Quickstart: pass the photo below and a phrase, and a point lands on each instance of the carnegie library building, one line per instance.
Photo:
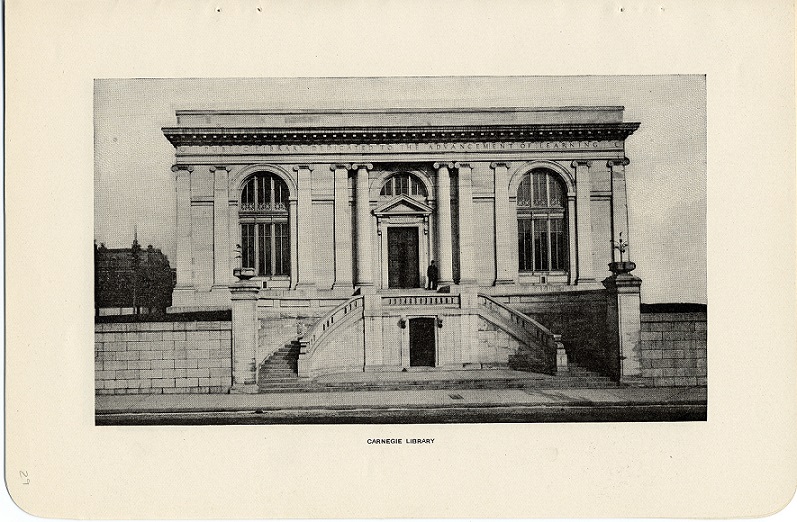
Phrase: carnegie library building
(384, 242)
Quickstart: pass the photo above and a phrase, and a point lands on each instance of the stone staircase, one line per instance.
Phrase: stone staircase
(278, 374)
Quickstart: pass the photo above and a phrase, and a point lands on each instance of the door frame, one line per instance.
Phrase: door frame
(405, 352)
(419, 238)
(423, 251)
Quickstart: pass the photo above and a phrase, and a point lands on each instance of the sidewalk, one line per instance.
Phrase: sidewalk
(406, 399)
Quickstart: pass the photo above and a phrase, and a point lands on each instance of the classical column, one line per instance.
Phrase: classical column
(305, 277)
(365, 278)
(619, 203)
(343, 265)
(503, 239)
(446, 276)
(571, 237)
(583, 222)
(183, 254)
(467, 275)
(222, 271)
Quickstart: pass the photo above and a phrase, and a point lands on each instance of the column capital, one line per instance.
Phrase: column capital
(618, 162)
(340, 166)
(189, 168)
(214, 168)
(297, 168)
(459, 165)
(499, 164)
(440, 165)
(582, 163)
(366, 166)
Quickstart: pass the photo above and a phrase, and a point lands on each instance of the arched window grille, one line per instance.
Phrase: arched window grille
(265, 236)
(403, 184)
(542, 223)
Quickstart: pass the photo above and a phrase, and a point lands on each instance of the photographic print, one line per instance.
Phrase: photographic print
(400, 250)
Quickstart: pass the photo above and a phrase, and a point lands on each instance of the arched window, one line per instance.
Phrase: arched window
(265, 237)
(542, 240)
(403, 184)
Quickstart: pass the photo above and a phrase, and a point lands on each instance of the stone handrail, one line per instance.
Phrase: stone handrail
(313, 337)
(541, 335)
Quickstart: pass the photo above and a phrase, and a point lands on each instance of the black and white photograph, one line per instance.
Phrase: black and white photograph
(399, 260)
(400, 250)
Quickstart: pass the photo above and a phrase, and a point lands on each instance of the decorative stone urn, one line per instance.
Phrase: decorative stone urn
(244, 274)
(622, 267)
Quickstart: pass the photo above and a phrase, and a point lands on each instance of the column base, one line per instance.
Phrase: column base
(503, 282)
(586, 281)
(343, 285)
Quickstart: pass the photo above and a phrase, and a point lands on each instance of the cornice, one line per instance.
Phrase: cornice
(179, 136)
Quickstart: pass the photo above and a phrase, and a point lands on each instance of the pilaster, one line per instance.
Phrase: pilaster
(467, 274)
(183, 254)
(583, 222)
(619, 202)
(444, 251)
(305, 277)
(571, 238)
(365, 278)
(343, 246)
(221, 240)
(503, 239)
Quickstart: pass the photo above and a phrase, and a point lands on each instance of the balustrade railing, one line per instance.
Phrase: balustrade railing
(309, 340)
(549, 341)
(451, 300)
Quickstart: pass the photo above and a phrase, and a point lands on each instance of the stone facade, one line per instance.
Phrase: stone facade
(336, 210)
(162, 357)
(674, 348)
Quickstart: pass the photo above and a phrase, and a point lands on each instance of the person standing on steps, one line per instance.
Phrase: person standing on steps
(431, 276)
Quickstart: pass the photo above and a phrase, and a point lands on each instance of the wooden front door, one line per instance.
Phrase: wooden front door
(422, 344)
(402, 257)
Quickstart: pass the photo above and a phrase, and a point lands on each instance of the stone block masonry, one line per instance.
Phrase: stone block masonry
(163, 357)
(674, 348)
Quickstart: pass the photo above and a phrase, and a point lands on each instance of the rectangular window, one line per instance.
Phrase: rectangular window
(248, 245)
(540, 244)
(283, 249)
(558, 244)
(525, 244)
(264, 249)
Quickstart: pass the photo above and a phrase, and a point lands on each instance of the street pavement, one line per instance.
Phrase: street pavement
(409, 406)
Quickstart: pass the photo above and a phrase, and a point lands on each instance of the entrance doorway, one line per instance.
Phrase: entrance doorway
(422, 344)
(402, 257)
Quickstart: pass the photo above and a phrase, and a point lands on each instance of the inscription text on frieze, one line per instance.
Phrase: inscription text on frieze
(387, 148)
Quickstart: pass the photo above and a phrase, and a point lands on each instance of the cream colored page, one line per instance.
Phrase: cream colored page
(741, 462)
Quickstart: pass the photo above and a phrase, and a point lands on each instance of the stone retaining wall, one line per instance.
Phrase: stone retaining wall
(163, 357)
(674, 348)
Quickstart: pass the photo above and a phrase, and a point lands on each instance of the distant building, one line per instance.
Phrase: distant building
(131, 280)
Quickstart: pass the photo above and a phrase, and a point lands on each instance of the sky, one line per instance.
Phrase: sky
(666, 179)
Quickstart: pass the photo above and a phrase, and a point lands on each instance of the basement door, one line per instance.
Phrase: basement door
(422, 344)
(402, 257)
